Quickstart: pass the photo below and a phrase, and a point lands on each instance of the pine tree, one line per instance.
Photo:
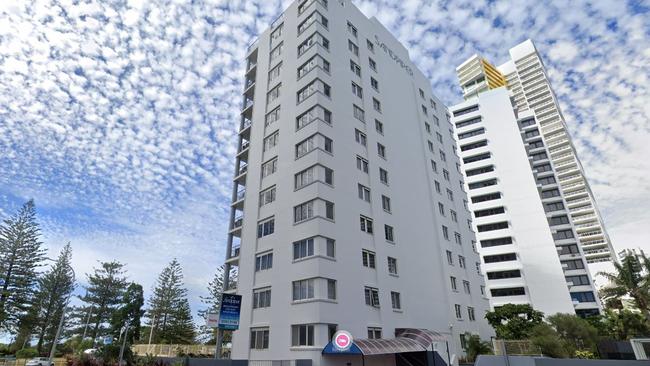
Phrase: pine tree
(212, 302)
(20, 255)
(54, 289)
(169, 312)
(104, 293)
(129, 313)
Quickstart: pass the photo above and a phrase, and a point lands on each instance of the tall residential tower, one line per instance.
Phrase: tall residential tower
(348, 209)
(525, 76)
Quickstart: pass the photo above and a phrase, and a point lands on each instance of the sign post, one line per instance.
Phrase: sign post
(228, 317)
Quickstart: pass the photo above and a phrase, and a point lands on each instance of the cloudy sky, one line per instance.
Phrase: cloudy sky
(118, 117)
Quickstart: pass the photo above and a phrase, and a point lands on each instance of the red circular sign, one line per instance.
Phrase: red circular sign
(342, 340)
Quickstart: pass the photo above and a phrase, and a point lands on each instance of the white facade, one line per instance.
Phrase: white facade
(373, 118)
(526, 78)
(526, 239)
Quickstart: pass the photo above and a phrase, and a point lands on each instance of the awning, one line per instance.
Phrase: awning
(406, 340)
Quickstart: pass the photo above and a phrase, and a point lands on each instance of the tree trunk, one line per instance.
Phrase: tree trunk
(5, 286)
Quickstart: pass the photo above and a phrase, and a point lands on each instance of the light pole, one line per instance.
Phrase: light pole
(126, 332)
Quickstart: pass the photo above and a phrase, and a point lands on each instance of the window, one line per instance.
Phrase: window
(421, 93)
(364, 192)
(461, 261)
(450, 194)
(427, 127)
(314, 113)
(563, 234)
(551, 193)
(312, 63)
(496, 242)
(329, 247)
(454, 215)
(355, 68)
(374, 83)
(356, 90)
(436, 121)
(433, 104)
(392, 265)
(559, 220)
(267, 196)
(457, 238)
(469, 109)
(303, 289)
(381, 150)
(331, 289)
(358, 113)
(263, 262)
(315, 38)
(372, 63)
(273, 94)
(276, 52)
(388, 233)
(539, 156)
(360, 137)
(277, 33)
(454, 286)
(437, 185)
(482, 184)
(425, 111)
(536, 144)
(468, 122)
(368, 258)
(396, 300)
(468, 134)
(568, 249)
(272, 116)
(259, 338)
(266, 227)
(486, 197)
(587, 296)
(532, 133)
(441, 208)
(466, 287)
(374, 333)
(478, 157)
(376, 105)
(443, 156)
(500, 275)
(473, 145)
(471, 314)
(305, 177)
(430, 145)
(450, 258)
(385, 203)
(313, 142)
(445, 174)
(573, 264)
(439, 137)
(269, 167)
(492, 226)
(353, 48)
(434, 166)
(445, 232)
(352, 29)
(505, 257)
(511, 291)
(303, 248)
(546, 180)
(527, 122)
(303, 212)
(553, 206)
(459, 313)
(302, 335)
(543, 168)
(481, 170)
(372, 296)
(489, 211)
(365, 224)
(370, 46)
(383, 176)
(316, 86)
(271, 140)
(261, 298)
(275, 73)
(578, 280)
(313, 17)
(362, 164)
(379, 127)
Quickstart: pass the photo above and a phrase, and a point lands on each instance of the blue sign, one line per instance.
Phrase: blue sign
(108, 340)
(229, 312)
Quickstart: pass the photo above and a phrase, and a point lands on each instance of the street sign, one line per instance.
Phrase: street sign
(108, 340)
(229, 312)
(342, 340)
(212, 320)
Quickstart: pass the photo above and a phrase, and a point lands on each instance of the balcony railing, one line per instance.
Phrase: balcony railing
(240, 195)
(244, 146)
(243, 170)
(234, 252)
(238, 222)
(247, 104)
(246, 123)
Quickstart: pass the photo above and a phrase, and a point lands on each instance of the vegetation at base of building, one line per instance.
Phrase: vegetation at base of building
(475, 346)
(630, 278)
(514, 321)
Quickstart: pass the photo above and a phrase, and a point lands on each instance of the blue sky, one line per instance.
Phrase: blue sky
(119, 117)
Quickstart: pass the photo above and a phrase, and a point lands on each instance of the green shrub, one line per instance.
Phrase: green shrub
(585, 355)
(27, 353)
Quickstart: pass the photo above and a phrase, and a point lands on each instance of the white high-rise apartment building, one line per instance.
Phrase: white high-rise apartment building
(526, 238)
(348, 209)
(526, 77)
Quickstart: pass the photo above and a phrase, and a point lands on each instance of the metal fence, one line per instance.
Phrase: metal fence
(23, 361)
(515, 348)
(173, 350)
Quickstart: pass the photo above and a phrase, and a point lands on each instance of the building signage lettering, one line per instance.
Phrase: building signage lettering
(393, 55)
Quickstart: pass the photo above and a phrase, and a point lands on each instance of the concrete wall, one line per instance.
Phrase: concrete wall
(484, 360)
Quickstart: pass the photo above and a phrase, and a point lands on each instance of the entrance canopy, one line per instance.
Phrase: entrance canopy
(406, 340)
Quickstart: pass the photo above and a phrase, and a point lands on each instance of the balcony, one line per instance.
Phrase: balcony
(238, 203)
(241, 174)
(233, 258)
(230, 287)
(242, 154)
(237, 224)
(247, 106)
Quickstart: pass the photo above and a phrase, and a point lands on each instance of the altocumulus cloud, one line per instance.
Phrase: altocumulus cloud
(119, 117)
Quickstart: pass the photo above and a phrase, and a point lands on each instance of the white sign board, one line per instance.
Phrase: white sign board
(212, 320)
